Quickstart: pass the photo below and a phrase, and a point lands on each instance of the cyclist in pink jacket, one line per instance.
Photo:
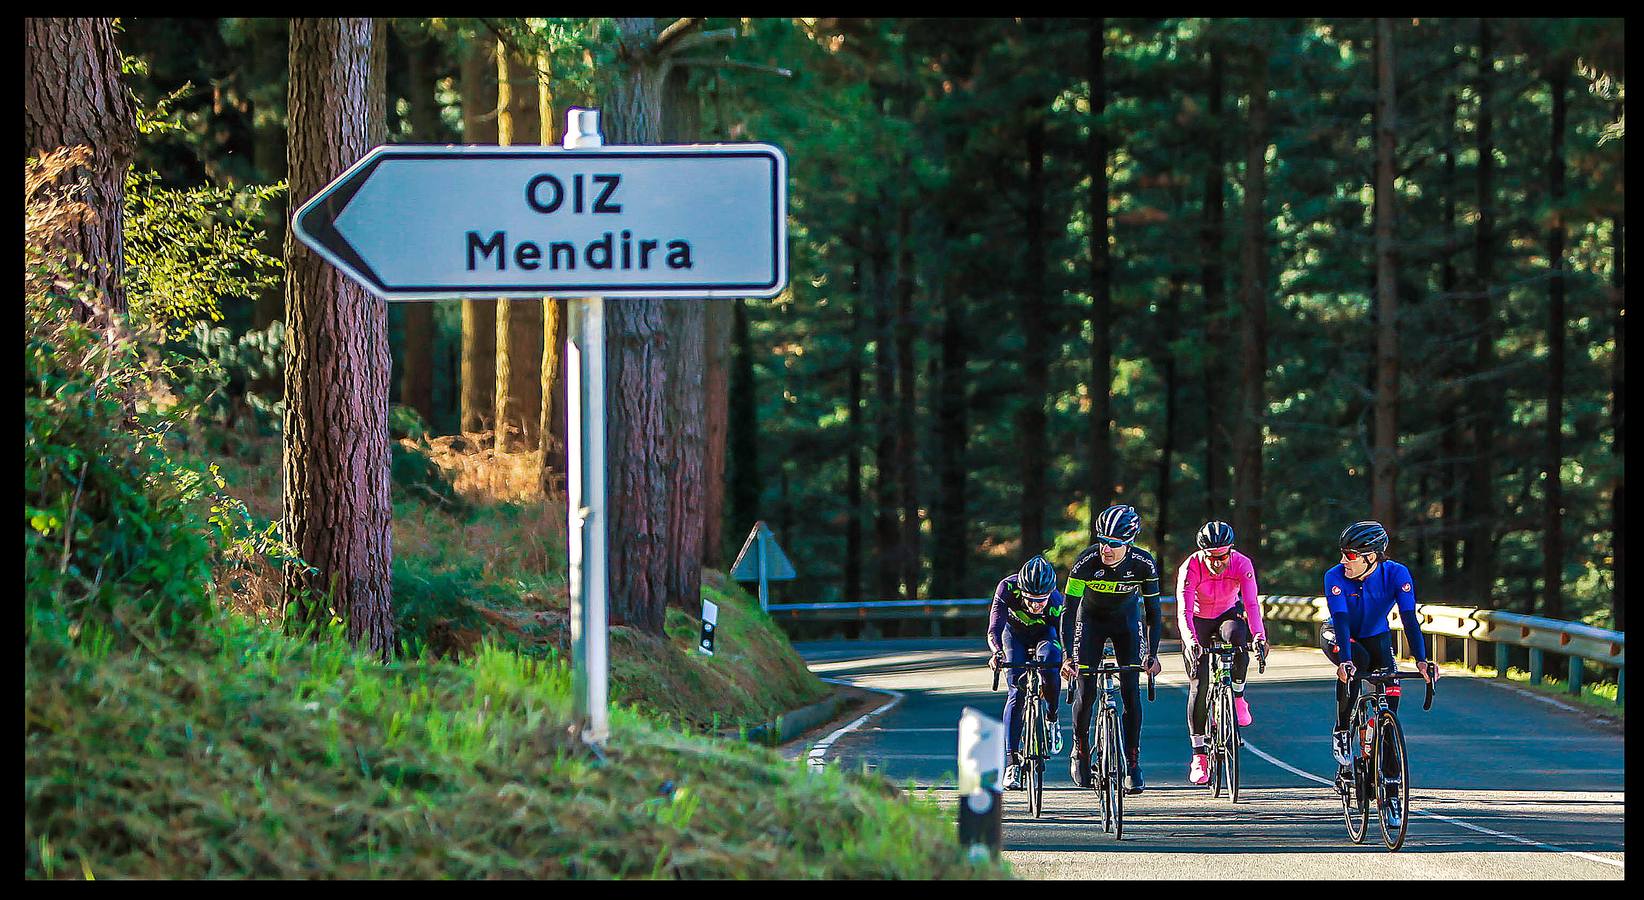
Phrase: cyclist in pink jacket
(1216, 595)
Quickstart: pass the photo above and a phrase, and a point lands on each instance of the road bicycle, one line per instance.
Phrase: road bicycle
(1107, 757)
(1036, 725)
(1380, 770)
(1223, 729)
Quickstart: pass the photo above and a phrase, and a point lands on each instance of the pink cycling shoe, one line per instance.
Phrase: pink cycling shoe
(1199, 773)
(1241, 710)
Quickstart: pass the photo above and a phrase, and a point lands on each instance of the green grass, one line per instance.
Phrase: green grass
(1598, 696)
(242, 752)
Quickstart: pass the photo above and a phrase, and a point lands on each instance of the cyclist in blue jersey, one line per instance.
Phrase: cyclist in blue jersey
(1360, 591)
(1022, 621)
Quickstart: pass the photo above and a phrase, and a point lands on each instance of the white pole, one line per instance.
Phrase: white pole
(585, 488)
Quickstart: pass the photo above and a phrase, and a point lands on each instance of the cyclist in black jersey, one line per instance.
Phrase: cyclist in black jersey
(1110, 585)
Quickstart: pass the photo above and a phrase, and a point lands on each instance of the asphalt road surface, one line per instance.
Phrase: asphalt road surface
(1503, 785)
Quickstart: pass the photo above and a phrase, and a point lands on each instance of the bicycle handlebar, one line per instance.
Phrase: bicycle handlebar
(1043, 666)
(1392, 677)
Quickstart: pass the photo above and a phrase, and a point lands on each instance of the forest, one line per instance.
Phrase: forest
(1288, 273)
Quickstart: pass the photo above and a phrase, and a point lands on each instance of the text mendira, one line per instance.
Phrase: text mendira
(546, 194)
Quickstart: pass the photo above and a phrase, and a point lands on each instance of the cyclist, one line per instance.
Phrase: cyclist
(1360, 591)
(1216, 594)
(1024, 621)
(1109, 585)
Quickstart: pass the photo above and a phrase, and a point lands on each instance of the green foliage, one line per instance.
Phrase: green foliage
(189, 249)
(233, 374)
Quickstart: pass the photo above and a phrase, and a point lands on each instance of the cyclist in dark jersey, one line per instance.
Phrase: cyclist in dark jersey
(1023, 621)
(1110, 584)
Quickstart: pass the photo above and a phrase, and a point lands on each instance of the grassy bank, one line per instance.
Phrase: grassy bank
(241, 752)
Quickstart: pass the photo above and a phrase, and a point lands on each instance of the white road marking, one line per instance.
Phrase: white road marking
(818, 755)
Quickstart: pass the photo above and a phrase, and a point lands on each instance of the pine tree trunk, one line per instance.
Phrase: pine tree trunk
(1030, 431)
(1247, 435)
(1449, 446)
(72, 96)
(906, 473)
(686, 325)
(640, 448)
(336, 423)
(417, 373)
(1213, 291)
(479, 317)
(853, 444)
(887, 531)
(1618, 426)
(746, 484)
(1101, 344)
(1552, 567)
(1384, 455)
(1168, 312)
(1483, 398)
(715, 387)
(948, 556)
(519, 322)
(551, 429)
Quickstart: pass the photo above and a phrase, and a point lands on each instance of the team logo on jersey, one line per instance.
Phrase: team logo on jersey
(1335, 589)
(1406, 587)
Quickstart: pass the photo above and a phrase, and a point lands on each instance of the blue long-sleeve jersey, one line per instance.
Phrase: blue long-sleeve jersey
(1358, 609)
(1008, 605)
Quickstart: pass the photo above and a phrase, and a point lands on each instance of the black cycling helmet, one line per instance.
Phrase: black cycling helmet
(1120, 523)
(1215, 535)
(1364, 537)
(1037, 577)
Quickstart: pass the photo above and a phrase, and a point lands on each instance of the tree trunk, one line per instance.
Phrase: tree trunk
(906, 473)
(551, 430)
(1552, 566)
(73, 95)
(1618, 426)
(336, 422)
(479, 317)
(886, 526)
(1168, 312)
(640, 448)
(746, 484)
(853, 445)
(686, 345)
(1449, 447)
(1247, 436)
(268, 158)
(1212, 281)
(1101, 344)
(948, 557)
(1384, 457)
(1481, 502)
(1030, 431)
(519, 322)
(417, 373)
(715, 388)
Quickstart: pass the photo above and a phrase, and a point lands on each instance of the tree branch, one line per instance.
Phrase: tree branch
(673, 33)
(729, 63)
(691, 42)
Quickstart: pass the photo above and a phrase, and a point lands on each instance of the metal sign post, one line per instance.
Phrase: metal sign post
(585, 486)
(762, 560)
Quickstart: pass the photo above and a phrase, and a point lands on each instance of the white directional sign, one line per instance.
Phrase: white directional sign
(423, 222)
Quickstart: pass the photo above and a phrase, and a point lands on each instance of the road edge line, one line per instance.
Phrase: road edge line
(817, 756)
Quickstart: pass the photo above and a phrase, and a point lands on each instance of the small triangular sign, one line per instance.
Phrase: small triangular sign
(777, 566)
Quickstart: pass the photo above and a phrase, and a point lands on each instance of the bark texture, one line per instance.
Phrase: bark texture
(417, 369)
(336, 423)
(1035, 364)
(519, 322)
(551, 430)
(1483, 399)
(1552, 568)
(72, 96)
(1212, 282)
(1384, 455)
(1248, 431)
(479, 317)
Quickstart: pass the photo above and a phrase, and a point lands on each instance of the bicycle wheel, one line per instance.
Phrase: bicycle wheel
(1390, 762)
(1232, 754)
(1218, 756)
(1115, 777)
(1098, 774)
(1355, 802)
(1032, 747)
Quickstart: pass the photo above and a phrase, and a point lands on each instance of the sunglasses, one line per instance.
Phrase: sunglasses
(1353, 554)
(1226, 552)
(1036, 600)
(1111, 543)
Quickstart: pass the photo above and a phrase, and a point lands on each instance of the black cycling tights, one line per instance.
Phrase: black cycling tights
(1125, 630)
(1234, 630)
(1368, 654)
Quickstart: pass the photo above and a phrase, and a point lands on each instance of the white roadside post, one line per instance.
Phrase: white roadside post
(981, 764)
(585, 488)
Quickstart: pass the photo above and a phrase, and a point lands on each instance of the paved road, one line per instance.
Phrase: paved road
(1543, 790)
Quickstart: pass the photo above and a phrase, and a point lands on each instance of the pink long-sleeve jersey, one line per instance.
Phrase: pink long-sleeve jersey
(1203, 595)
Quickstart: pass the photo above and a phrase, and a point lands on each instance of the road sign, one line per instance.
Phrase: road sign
(423, 222)
(710, 621)
(766, 563)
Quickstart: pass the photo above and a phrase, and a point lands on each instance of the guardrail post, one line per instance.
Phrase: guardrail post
(1535, 665)
(1501, 660)
(1437, 654)
(1469, 653)
(1575, 676)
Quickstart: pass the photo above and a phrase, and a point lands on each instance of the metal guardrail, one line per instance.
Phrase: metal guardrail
(1441, 624)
